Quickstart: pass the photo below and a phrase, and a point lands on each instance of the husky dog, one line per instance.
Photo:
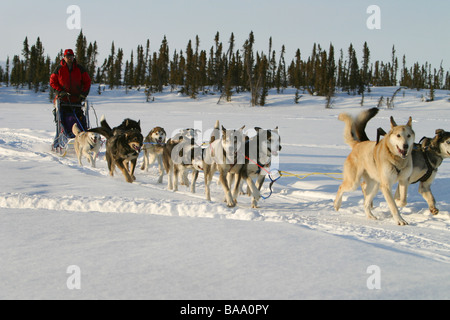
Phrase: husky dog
(225, 154)
(427, 157)
(426, 160)
(178, 156)
(123, 146)
(153, 149)
(380, 165)
(259, 150)
(87, 144)
(195, 153)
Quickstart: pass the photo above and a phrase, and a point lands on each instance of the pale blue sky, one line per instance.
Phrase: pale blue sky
(419, 29)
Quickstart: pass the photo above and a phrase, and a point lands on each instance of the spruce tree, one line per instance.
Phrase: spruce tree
(365, 78)
(354, 81)
(91, 56)
(118, 68)
(394, 69)
(230, 69)
(191, 85)
(27, 76)
(81, 49)
(6, 77)
(17, 73)
(248, 66)
(110, 67)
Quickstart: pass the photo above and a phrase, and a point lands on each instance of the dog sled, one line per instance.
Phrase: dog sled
(67, 114)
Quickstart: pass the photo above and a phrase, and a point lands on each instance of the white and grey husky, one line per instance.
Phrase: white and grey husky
(86, 144)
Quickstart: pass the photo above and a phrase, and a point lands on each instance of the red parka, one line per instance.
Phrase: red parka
(76, 82)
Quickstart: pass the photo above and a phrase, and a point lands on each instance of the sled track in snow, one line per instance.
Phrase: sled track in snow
(426, 236)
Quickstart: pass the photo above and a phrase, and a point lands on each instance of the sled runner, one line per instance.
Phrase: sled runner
(66, 115)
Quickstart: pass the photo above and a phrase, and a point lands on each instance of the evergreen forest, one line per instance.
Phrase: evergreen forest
(226, 69)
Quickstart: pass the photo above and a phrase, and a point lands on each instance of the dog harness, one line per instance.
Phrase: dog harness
(430, 170)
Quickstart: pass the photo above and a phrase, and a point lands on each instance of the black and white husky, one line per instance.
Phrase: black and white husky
(259, 152)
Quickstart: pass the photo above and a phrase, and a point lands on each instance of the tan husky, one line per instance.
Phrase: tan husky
(427, 156)
(380, 165)
(86, 144)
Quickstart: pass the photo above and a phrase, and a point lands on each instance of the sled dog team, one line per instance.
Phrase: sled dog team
(236, 155)
(373, 165)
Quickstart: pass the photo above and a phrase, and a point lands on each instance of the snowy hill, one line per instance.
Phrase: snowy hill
(142, 241)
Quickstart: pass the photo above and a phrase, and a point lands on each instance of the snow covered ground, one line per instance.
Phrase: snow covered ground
(71, 232)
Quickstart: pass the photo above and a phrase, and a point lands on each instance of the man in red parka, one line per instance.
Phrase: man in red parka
(70, 79)
(72, 83)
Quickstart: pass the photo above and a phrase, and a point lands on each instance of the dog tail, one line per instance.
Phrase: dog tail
(361, 121)
(105, 124)
(216, 132)
(348, 130)
(167, 155)
(75, 130)
(355, 128)
(105, 130)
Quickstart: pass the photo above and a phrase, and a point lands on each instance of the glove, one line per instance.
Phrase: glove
(62, 94)
(83, 95)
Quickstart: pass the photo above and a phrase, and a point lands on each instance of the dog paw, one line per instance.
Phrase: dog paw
(434, 211)
(231, 204)
(402, 222)
(370, 216)
(337, 206)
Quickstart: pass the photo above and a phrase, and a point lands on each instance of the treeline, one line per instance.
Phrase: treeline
(227, 69)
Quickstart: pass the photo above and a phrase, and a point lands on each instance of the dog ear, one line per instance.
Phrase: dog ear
(409, 124)
(435, 142)
(380, 133)
(242, 128)
(257, 129)
(425, 143)
(224, 132)
(393, 123)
